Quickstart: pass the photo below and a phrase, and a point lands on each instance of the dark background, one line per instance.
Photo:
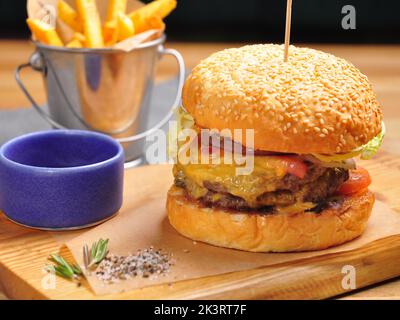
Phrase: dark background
(378, 21)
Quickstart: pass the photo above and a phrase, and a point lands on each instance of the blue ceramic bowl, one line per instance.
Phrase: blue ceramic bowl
(61, 179)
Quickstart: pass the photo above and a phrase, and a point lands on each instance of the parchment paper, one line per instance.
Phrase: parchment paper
(46, 10)
(142, 223)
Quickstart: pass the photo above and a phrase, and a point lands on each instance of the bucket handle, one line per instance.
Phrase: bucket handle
(35, 65)
(40, 110)
(181, 79)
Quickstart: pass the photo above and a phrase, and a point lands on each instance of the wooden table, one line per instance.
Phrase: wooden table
(380, 63)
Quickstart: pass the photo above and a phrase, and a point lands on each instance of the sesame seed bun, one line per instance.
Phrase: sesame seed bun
(302, 231)
(314, 103)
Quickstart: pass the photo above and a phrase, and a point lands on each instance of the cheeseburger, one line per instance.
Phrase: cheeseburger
(311, 116)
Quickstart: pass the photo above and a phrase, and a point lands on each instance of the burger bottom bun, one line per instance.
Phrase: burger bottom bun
(302, 231)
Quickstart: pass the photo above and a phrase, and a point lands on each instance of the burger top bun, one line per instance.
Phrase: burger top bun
(314, 103)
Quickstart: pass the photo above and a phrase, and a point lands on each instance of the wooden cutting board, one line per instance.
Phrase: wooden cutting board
(24, 252)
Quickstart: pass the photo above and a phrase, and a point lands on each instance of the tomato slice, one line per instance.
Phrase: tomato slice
(294, 166)
(359, 179)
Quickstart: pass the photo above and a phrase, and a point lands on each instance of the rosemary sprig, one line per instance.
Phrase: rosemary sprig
(86, 256)
(63, 269)
(91, 258)
(98, 252)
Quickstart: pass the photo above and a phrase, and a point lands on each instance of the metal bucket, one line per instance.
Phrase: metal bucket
(104, 90)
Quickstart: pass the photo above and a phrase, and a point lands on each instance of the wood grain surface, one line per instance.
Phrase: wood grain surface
(23, 252)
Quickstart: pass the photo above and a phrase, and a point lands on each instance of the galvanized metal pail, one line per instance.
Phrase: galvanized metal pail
(104, 90)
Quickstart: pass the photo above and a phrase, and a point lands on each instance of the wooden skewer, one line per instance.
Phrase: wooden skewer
(287, 29)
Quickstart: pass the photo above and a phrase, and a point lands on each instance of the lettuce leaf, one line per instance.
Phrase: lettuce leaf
(371, 148)
(366, 151)
(184, 121)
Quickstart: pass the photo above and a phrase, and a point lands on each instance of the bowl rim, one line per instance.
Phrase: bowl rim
(92, 166)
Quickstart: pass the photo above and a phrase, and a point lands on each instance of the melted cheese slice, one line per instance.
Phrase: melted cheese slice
(267, 172)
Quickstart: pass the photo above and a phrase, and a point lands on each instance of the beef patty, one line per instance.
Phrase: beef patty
(318, 184)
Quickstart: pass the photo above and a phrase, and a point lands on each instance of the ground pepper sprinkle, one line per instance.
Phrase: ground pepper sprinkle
(145, 263)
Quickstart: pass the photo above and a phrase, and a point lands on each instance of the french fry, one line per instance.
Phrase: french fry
(143, 24)
(43, 32)
(74, 43)
(110, 33)
(115, 7)
(90, 18)
(64, 31)
(160, 8)
(125, 27)
(79, 36)
(69, 16)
